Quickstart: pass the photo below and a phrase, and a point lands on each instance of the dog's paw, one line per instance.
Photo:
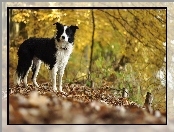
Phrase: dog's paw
(55, 90)
(61, 92)
(35, 84)
(64, 93)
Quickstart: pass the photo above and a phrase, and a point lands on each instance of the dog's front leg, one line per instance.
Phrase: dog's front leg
(53, 77)
(60, 81)
(60, 76)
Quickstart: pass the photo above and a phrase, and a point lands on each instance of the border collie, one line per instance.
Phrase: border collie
(54, 52)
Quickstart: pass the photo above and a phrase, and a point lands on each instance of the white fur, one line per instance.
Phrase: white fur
(64, 34)
(16, 79)
(64, 50)
(37, 63)
(25, 79)
(62, 57)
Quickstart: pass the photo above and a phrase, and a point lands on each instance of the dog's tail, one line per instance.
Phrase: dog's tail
(19, 73)
(24, 63)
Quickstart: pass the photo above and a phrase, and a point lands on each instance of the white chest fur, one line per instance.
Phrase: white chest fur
(62, 55)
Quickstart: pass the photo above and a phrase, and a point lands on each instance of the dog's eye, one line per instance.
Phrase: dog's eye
(68, 31)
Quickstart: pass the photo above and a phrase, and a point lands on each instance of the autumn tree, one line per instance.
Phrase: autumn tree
(122, 48)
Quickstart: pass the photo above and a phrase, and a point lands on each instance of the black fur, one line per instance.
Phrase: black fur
(70, 31)
(42, 48)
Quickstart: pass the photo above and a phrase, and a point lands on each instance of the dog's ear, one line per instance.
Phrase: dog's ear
(73, 28)
(58, 25)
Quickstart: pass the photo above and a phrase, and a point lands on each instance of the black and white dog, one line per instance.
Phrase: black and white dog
(54, 52)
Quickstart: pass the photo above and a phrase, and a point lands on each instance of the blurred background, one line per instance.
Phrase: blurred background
(117, 48)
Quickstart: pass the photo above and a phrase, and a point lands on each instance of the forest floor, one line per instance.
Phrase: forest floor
(78, 105)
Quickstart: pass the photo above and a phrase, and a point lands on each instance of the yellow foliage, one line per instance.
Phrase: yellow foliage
(138, 34)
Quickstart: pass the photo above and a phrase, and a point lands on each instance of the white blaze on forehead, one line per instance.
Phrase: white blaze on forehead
(64, 33)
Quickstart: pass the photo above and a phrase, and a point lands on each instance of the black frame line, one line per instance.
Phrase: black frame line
(8, 8)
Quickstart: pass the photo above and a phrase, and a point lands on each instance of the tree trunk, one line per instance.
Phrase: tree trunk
(92, 46)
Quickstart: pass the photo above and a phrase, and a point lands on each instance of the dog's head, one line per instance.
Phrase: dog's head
(65, 33)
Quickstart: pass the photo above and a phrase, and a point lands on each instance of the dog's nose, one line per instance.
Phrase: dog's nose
(63, 37)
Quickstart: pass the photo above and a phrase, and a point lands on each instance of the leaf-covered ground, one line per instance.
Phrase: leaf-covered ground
(78, 105)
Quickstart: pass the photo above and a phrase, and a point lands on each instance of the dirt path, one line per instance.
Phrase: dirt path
(79, 105)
